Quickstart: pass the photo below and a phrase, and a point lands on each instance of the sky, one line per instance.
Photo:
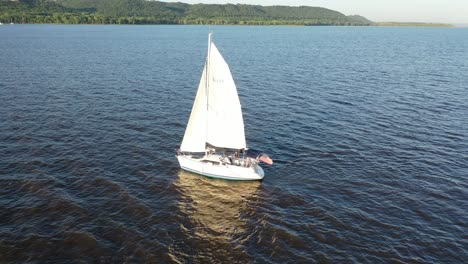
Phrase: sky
(442, 11)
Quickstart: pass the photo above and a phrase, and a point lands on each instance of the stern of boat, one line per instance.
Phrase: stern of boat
(259, 171)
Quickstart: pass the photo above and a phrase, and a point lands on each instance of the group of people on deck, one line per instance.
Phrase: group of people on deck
(233, 159)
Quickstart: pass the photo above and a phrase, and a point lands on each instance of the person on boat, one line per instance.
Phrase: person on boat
(247, 162)
(237, 158)
(230, 160)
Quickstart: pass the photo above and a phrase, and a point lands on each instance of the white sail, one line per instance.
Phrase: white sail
(225, 126)
(195, 134)
(216, 116)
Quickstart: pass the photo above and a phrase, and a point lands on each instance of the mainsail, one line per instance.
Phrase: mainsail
(216, 116)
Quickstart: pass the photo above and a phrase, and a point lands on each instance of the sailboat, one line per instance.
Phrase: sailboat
(214, 142)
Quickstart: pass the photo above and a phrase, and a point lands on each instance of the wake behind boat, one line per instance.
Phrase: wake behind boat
(214, 141)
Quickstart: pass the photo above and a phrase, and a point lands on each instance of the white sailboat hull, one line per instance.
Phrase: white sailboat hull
(222, 171)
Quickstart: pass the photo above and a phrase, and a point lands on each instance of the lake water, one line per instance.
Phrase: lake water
(367, 127)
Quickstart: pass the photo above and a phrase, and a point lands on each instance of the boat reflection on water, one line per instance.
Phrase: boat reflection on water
(218, 212)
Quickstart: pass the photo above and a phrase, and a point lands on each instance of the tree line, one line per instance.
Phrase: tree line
(155, 12)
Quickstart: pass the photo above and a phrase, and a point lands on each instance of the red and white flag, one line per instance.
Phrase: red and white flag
(265, 159)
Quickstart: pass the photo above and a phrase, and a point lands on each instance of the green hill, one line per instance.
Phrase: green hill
(154, 12)
(360, 19)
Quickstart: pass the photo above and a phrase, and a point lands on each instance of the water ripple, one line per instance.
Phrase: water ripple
(366, 126)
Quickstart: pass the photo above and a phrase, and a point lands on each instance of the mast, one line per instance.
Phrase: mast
(207, 84)
(208, 67)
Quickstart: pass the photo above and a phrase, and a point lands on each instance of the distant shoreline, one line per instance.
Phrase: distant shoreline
(377, 24)
(412, 24)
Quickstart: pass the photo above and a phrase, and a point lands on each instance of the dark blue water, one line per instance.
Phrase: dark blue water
(367, 127)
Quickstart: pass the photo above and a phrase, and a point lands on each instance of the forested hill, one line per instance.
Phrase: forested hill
(154, 12)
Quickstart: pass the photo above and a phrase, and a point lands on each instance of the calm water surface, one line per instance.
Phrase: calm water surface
(368, 128)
